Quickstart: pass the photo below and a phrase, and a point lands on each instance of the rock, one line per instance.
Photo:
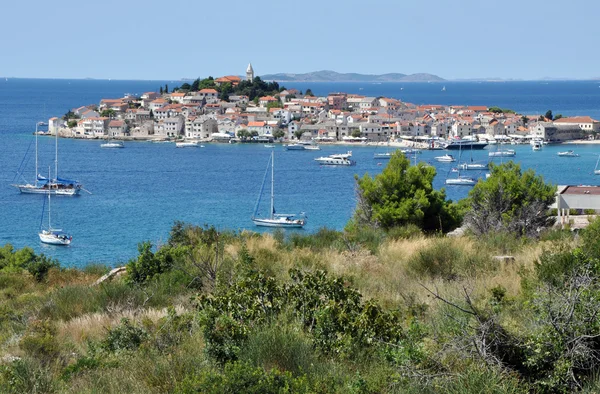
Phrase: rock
(115, 272)
(505, 259)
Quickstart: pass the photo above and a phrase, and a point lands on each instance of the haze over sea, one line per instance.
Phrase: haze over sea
(139, 191)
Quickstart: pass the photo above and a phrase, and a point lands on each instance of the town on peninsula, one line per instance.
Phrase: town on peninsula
(234, 109)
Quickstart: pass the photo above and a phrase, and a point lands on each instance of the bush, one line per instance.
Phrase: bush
(39, 341)
(243, 378)
(148, 264)
(125, 336)
(40, 265)
(438, 261)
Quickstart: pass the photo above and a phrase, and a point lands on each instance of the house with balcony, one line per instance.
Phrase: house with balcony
(117, 128)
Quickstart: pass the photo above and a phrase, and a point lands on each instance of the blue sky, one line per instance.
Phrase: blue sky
(526, 39)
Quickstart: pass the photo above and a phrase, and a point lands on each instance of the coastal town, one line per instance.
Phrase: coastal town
(217, 114)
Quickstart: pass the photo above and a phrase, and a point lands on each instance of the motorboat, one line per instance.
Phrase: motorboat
(269, 146)
(338, 159)
(536, 146)
(445, 159)
(568, 153)
(473, 166)
(295, 147)
(465, 144)
(503, 153)
(113, 144)
(275, 219)
(312, 147)
(461, 181)
(411, 151)
(188, 144)
(382, 156)
(47, 185)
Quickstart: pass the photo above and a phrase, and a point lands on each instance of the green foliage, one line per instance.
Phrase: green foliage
(71, 124)
(148, 264)
(37, 265)
(274, 104)
(185, 86)
(125, 336)
(510, 201)
(108, 113)
(498, 110)
(403, 194)
(309, 93)
(244, 378)
(40, 266)
(355, 133)
(298, 134)
(40, 341)
(590, 237)
(25, 376)
(548, 115)
(279, 133)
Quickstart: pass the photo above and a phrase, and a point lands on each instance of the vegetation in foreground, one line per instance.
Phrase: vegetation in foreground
(367, 310)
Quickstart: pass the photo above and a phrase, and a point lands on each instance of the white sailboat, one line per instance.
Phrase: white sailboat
(596, 170)
(112, 144)
(52, 236)
(275, 219)
(461, 180)
(43, 185)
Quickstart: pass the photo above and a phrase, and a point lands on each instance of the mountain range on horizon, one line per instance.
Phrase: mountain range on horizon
(333, 76)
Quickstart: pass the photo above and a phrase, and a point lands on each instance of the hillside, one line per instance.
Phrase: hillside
(332, 76)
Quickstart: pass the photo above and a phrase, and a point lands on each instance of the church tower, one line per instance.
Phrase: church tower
(249, 73)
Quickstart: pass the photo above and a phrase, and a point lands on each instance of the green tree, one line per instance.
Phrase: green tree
(558, 116)
(243, 134)
(309, 93)
(298, 133)
(524, 119)
(401, 195)
(274, 104)
(279, 133)
(108, 113)
(166, 88)
(71, 124)
(355, 133)
(509, 201)
(161, 90)
(185, 86)
(548, 115)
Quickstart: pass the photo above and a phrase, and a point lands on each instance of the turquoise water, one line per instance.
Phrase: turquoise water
(139, 191)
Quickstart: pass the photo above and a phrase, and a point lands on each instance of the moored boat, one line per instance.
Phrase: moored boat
(113, 144)
(445, 159)
(568, 153)
(188, 144)
(503, 153)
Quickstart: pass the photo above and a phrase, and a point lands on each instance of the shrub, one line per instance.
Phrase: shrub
(125, 336)
(25, 376)
(40, 265)
(40, 342)
(440, 260)
(148, 264)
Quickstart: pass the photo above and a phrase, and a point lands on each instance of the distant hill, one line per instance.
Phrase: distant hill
(332, 76)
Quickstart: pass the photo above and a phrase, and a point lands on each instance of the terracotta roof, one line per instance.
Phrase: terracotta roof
(576, 119)
(256, 124)
(208, 91)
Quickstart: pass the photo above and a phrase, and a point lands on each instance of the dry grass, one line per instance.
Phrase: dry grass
(94, 325)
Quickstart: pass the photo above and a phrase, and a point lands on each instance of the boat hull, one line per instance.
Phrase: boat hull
(469, 145)
(111, 145)
(281, 223)
(31, 189)
(52, 239)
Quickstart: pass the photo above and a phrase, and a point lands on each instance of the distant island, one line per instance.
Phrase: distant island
(332, 76)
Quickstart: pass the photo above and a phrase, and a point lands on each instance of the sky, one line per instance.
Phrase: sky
(158, 40)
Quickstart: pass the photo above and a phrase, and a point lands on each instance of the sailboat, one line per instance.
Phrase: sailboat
(383, 155)
(461, 180)
(52, 236)
(472, 165)
(43, 185)
(274, 219)
(596, 170)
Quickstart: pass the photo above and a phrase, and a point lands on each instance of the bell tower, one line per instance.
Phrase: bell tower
(249, 73)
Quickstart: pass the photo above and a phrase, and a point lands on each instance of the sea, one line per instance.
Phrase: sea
(137, 193)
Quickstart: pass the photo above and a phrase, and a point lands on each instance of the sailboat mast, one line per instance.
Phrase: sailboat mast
(49, 211)
(36, 153)
(272, 182)
(56, 156)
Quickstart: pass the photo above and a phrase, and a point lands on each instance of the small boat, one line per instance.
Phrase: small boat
(503, 153)
(52, 236)
(335, 161)
(473, 166)
(382, 156)
(113, 144)
(188, 144)
(295, 147)
(536, 146)
(269, 146)
(411, 151)
(568, 153)
(276, 220)
(312, 147)
(596, 170)
(461, 181)
(445, 159)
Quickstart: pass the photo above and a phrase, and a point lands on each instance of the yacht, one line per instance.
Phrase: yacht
(112, 144)
(188, 144)
(568, 153)
(295, 147)
(445, 159)
(335, 161)
(503, 153)
(461, 181)
(536, 145)
(465, 144)
(473, 166)
(312, 147)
